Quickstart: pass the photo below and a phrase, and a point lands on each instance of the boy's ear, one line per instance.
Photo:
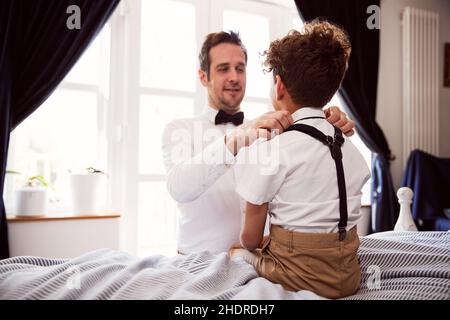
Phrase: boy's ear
(280, 89)
(203, 77)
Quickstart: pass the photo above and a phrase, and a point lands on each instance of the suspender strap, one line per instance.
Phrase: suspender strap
(335, 148)
(309, 118)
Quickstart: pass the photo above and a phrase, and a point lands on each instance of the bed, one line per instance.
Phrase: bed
(395, 265)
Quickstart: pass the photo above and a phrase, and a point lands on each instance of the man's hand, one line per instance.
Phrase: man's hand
(266, 126)
(275, 122)
(339, 119)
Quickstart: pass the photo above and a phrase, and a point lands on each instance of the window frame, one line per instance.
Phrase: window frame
(102, 105)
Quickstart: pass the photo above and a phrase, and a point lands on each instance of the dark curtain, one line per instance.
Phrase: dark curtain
(37, 50)
(359, 92)
(429, 177)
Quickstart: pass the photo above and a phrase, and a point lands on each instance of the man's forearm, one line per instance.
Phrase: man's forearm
(186, 182)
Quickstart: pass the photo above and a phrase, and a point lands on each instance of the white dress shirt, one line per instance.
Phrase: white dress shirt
(299, 179)
(200, 179)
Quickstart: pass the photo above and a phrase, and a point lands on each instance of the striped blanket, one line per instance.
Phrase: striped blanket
(395, 265)
(405, 265)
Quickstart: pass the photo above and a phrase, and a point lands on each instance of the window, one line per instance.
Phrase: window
(167, 90)
(161, 44)
(68, 132)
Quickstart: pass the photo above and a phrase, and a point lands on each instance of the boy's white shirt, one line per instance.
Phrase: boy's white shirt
(296, 174)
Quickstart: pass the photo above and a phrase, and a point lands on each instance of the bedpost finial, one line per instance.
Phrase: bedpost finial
(405, 220)
(405, 195)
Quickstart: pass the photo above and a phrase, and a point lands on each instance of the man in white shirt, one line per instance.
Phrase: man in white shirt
(199, 152)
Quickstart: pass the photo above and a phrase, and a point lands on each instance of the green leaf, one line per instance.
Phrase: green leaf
(14, 172)
(40, 179)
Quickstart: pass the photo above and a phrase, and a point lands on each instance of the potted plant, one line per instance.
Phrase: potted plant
(88, 191)
(31, 198)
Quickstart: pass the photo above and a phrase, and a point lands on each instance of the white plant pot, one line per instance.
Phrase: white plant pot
(31, 201)
(88, 193)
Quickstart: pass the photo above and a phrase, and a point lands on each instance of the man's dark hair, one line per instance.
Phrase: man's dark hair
(311, 63)
(214, 39)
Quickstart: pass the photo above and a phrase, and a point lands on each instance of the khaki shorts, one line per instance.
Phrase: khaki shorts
(317, 262)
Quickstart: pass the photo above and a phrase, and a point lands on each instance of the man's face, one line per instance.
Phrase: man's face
(227, 77)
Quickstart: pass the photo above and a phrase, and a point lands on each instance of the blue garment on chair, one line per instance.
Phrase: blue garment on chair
(429, 178)
(442, 224)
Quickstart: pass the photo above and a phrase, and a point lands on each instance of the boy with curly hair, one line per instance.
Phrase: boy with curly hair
(314, 197)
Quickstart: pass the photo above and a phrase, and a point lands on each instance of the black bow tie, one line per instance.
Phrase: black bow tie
(223, 117)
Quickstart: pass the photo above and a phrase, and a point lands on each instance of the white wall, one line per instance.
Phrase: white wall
(389, 101)
(62, 238)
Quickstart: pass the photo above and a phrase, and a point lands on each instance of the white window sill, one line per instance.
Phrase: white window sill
(61, 216)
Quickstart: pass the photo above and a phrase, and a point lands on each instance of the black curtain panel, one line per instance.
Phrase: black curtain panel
(359, 92)
(40, 41)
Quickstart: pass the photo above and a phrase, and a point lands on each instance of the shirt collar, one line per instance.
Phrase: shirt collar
(306, 112)
(210, 113)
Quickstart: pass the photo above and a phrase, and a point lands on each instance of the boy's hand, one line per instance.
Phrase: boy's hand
(236, 245)
(338, 118)
(263, 241)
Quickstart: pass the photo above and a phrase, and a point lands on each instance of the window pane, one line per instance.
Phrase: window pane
(297, 24)
(65, 133)
(155, 113)
(93, 65)
(253, 110)
(168, 45)
(254, 32)
(157, 220)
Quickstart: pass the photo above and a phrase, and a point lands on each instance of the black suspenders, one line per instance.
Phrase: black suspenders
(335, 149)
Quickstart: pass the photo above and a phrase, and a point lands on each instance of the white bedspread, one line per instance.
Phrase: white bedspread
(108, 274)
(408, 265)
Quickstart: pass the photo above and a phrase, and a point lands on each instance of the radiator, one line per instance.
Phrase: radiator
(420, 81)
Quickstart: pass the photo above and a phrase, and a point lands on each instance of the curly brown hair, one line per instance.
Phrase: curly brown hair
(311, 63)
